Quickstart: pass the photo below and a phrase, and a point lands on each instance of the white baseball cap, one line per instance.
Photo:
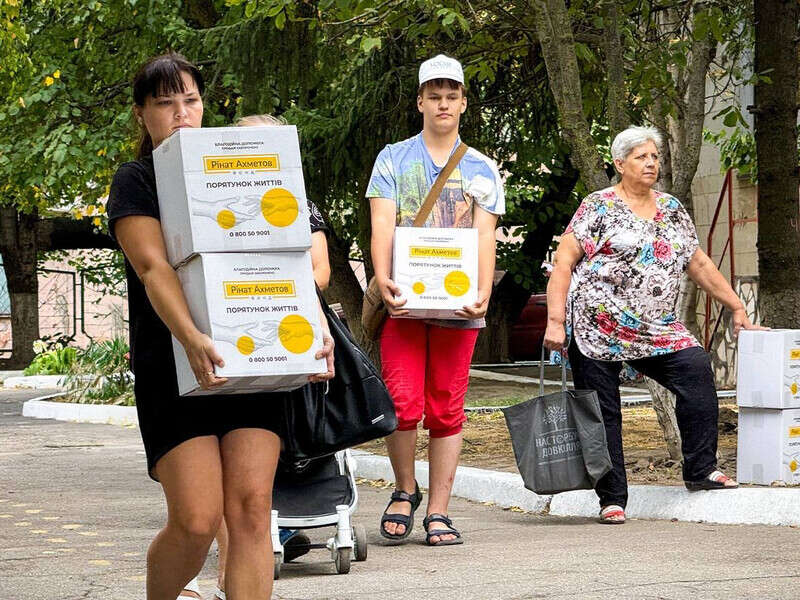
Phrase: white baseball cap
(441, 67)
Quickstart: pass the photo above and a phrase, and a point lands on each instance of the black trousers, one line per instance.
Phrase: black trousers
(688, 374)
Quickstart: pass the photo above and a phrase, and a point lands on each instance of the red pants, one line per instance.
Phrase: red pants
(426, 369)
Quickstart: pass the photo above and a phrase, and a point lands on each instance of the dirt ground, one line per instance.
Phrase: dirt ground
(487, 444)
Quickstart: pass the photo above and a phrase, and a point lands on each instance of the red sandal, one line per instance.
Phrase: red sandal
(613, 514)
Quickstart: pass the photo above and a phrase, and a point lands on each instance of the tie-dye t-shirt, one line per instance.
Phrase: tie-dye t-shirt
(405, 172)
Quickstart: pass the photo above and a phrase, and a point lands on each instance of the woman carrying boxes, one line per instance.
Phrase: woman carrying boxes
(207, 451)
(435, 279)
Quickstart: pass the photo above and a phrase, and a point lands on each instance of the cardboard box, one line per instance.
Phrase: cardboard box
(261, 311)
(769, 446)
(769, 369)
(436, 269)
(231, 189)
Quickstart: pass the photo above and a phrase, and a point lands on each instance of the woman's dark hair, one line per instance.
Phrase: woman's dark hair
(158, 76)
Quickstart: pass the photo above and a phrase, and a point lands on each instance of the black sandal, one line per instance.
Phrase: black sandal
(436, 517)
(716, 480)
(408, 520)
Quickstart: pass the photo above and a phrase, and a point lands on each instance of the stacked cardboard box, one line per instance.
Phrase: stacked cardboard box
(768, 394)
(236, 227)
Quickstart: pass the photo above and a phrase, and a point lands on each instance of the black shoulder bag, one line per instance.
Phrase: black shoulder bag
(352, 408)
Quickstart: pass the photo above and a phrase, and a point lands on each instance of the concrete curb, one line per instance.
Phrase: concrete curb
(105, 414)
(743, 506)
(6, 374)
(35, 382)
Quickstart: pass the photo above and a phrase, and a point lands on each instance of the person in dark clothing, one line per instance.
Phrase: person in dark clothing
(207, 452)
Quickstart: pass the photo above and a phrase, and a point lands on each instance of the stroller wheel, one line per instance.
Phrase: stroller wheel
(342, 561)
(360, 534)
(276, 570)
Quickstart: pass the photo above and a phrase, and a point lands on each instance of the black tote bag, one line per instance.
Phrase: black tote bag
(352, 408)
(559, 439)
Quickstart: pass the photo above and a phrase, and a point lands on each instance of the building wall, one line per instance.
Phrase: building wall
(63, 310)
(706, 188)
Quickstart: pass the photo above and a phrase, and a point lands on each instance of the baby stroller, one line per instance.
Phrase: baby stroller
(319, 493)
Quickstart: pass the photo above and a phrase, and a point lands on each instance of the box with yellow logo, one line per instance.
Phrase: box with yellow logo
(436, 269)
(768, 374)
(231, 189)
(261, 312)
(769, 446)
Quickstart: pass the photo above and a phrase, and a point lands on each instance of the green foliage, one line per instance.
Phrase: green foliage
(101, 375)
(345, 72)
(737, 150)
(65, 108)
(57, 361)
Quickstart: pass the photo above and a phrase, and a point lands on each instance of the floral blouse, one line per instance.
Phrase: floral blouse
(623, 293)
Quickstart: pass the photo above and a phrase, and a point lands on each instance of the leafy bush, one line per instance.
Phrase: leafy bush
(57, 361)
(101, 375)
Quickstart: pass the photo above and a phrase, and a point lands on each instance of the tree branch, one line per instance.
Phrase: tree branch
(64, 233)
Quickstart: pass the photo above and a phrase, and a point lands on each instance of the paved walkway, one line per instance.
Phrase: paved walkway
(77, 513)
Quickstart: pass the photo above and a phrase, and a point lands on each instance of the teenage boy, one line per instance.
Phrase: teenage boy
(425, 363)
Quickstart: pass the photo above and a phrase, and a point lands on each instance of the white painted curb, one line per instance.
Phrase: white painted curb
(36, 382)
(744, 506)
(106, 414)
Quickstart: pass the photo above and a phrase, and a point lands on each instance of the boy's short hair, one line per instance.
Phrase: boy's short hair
(443, 82)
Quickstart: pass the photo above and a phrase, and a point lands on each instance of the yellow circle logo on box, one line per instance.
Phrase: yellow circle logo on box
(793, 465)
(245, 345)
(418, 287)
(226, 219)
(296, 334)
(456, 283)
(279, 207)
(794, 387)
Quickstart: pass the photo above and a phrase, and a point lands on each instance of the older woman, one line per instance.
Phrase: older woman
(625, 252)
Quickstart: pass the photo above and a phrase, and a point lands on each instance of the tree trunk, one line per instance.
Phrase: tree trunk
(687, 131)
(200, 13)
(776, 153)
(22, 237)
(664, 405)
(554, 29)
(346, 289)
(494, 340)
(19, 249)
(615, 68)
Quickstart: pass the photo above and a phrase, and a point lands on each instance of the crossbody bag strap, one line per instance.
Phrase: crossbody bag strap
(438, 185)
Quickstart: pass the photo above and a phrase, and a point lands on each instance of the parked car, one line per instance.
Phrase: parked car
(527, 334)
